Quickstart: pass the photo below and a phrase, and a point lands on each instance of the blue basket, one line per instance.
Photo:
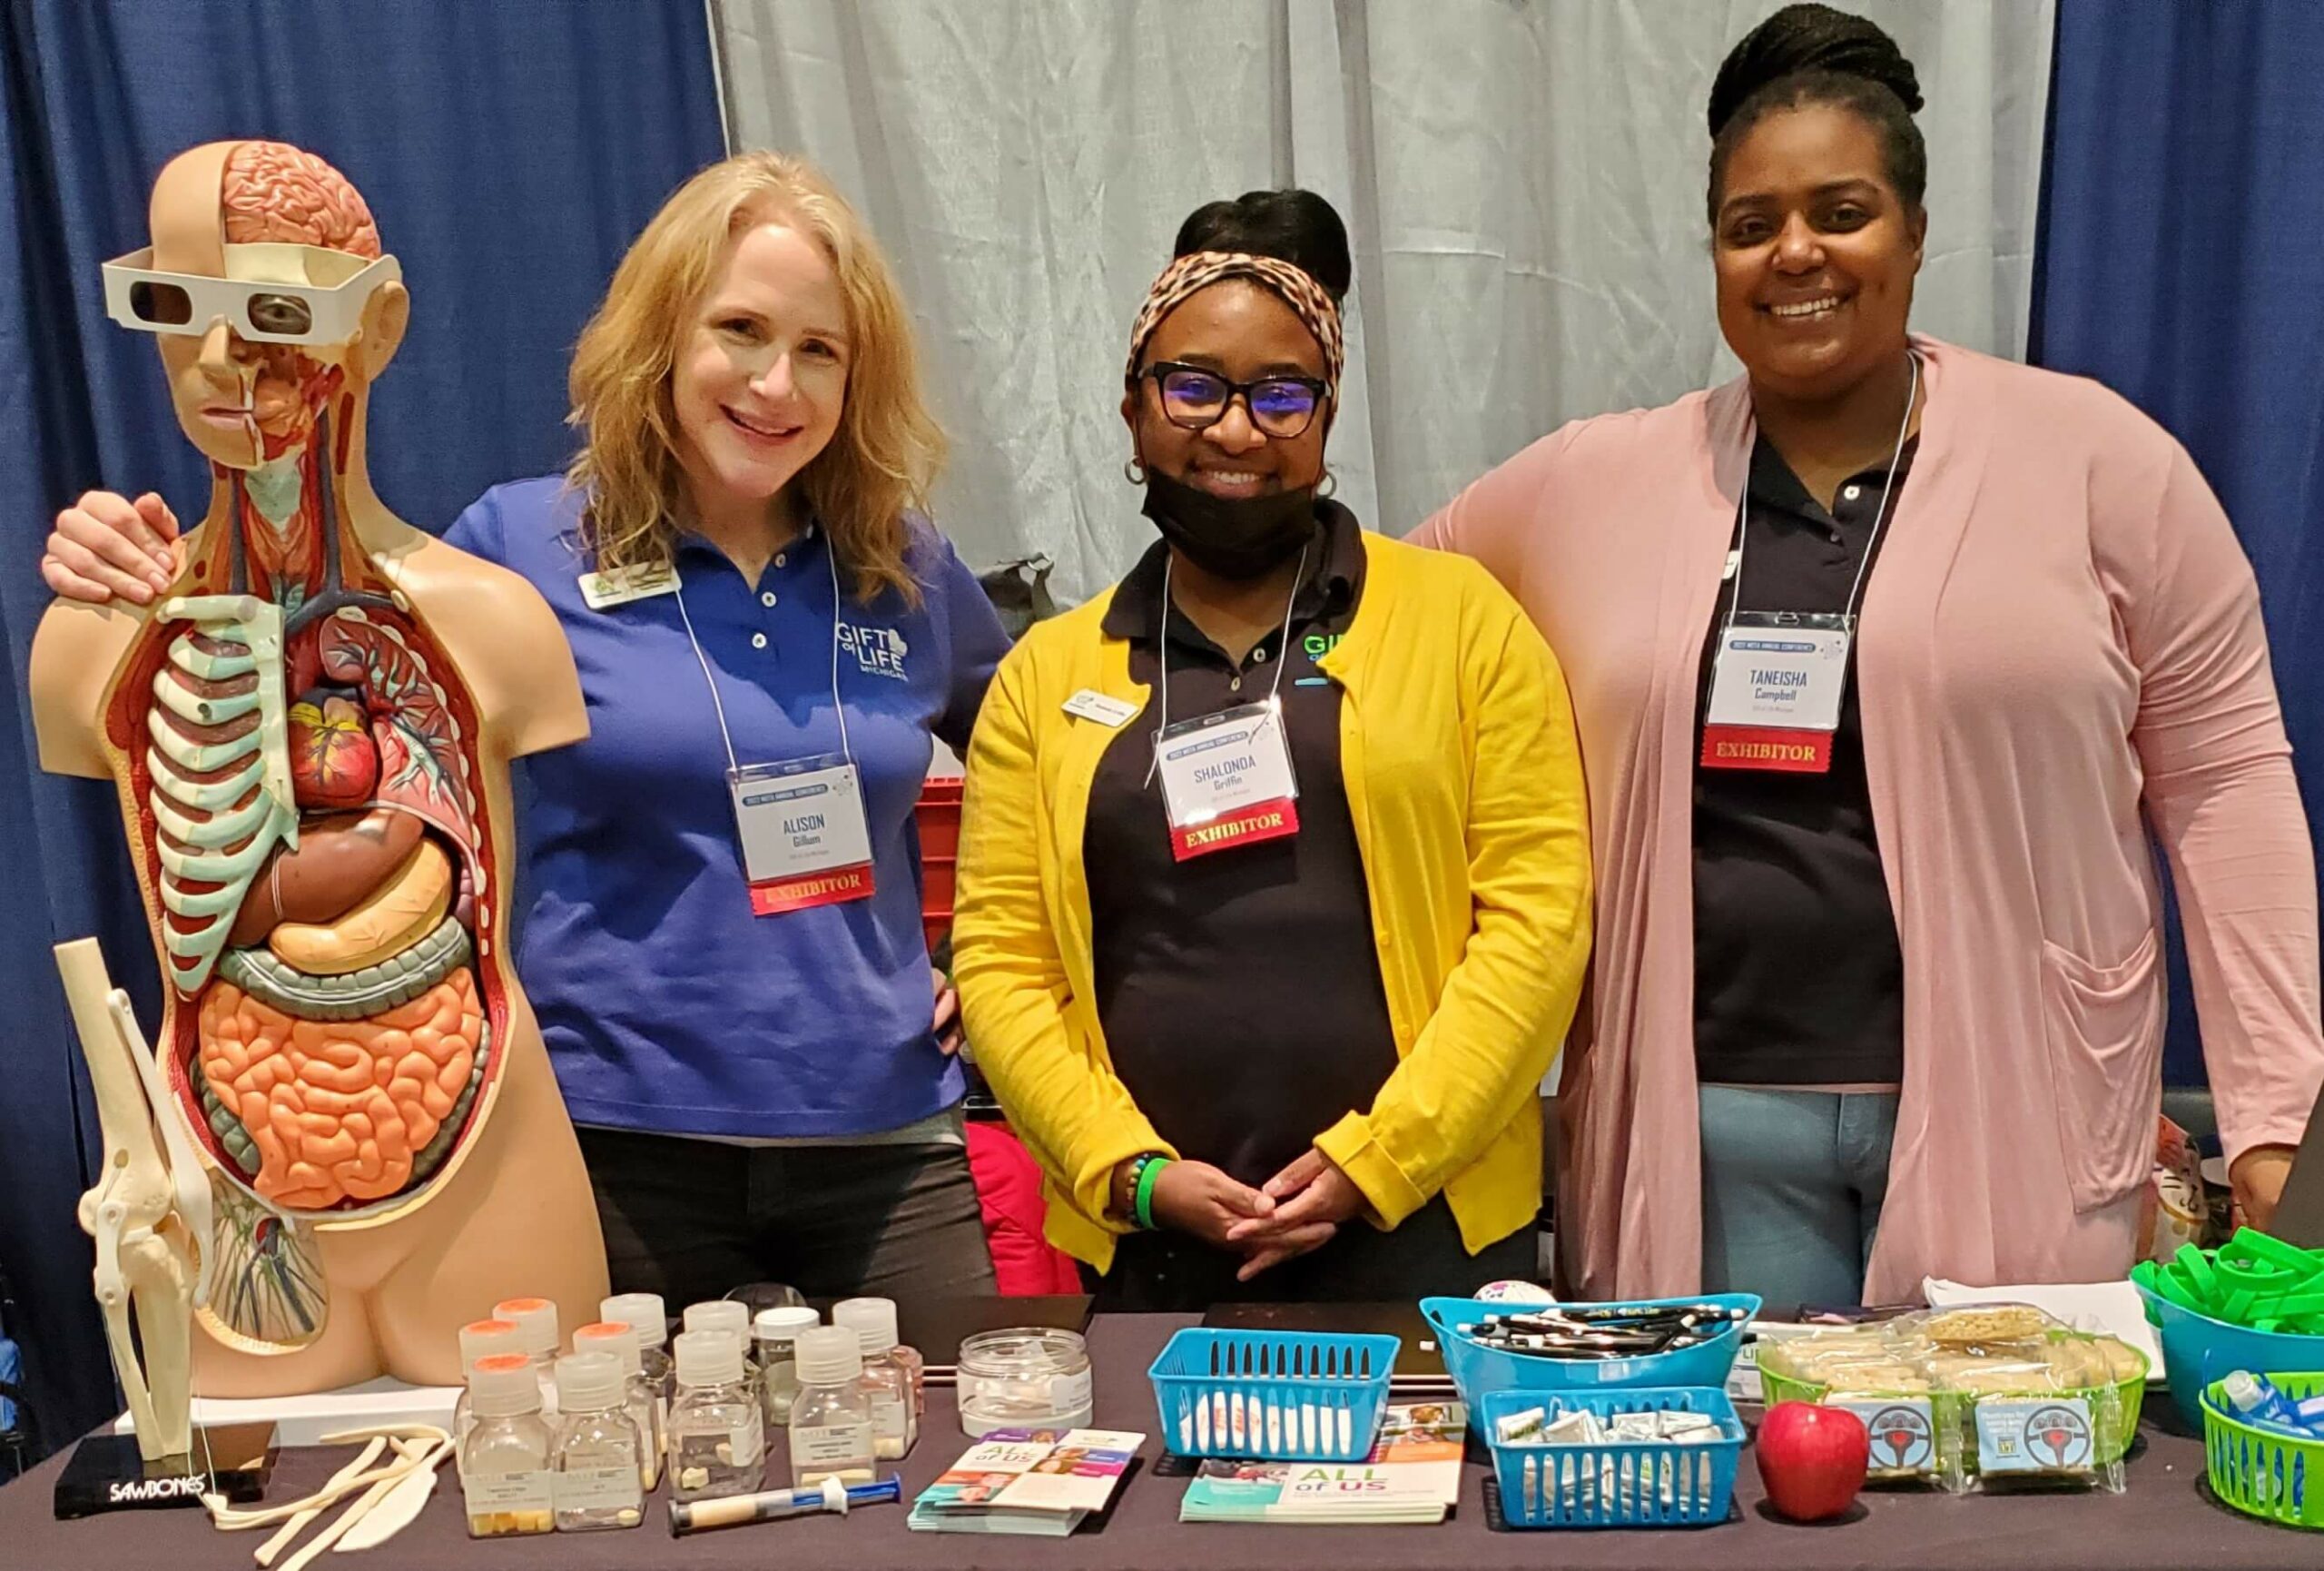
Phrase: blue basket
(1273, 1395)
(1622, 1483)
(1479, 1371)
(2198, 1350)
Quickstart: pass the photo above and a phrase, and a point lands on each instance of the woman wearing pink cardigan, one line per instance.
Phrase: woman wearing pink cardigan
(1887, 659)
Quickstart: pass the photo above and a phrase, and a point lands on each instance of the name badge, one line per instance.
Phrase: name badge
(1777, 683)
(602, 591)
(1110, 712)
(1226, 780)
(805, 839)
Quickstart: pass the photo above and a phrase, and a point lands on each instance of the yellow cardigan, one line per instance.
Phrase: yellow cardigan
(1465, 783)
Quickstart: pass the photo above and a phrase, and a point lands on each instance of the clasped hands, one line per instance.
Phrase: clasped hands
(1299, 1210)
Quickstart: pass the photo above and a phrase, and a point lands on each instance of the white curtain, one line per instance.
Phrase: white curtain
(1523, 182)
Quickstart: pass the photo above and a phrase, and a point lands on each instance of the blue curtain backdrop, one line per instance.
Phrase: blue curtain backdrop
(509, 151)
(2180, 263)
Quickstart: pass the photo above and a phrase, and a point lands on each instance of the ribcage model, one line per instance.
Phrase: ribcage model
(220, 766)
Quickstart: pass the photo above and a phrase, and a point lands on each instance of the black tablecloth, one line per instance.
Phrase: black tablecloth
(2166, 1520)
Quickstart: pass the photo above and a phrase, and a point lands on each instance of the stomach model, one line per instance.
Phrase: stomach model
(301, 769)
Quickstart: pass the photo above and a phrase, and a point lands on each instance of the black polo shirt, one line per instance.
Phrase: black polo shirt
(1799, 975)
(1240, 990)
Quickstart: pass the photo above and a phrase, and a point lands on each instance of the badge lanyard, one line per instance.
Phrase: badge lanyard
(1778, 677)
(1226, 778)
(805, 839)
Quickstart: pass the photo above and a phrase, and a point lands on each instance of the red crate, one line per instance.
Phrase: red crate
(938, 811)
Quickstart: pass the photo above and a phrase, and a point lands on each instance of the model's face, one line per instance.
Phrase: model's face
(244, 404)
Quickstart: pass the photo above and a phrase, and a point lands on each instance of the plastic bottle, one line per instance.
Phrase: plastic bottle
(733, 1316)
(717, 1431)
(535, 1322)
(507, 1485)
(481, 1339)
(2256, 1400)
(887, 1378)
(600, 1455)
(831, 1421)
(620, 1342)
(644, 1315)
(778, 1331)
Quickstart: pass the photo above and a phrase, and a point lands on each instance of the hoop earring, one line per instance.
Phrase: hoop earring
(1331, 482)
(1134, 470)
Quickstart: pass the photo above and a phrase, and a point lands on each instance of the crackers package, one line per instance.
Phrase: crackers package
(1982, 1397)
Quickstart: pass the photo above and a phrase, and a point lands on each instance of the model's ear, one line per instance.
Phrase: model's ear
(386, 316)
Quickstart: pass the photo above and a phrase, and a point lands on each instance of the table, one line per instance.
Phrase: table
(2166, 1520)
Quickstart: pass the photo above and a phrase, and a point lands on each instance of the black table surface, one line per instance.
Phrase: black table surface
(2166, 1519)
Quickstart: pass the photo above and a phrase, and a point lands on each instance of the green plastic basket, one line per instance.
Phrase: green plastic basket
(2259, 1471)
(2117, 1426)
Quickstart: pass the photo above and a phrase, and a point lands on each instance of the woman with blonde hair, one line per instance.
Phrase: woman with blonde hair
(721, 931)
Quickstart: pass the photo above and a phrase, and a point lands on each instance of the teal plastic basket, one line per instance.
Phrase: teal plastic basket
(1273, 1395)
(1622, 1483)
(2198, 1350)
(1480, 1370)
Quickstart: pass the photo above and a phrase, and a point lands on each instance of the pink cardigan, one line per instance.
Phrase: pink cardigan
(2062, 632)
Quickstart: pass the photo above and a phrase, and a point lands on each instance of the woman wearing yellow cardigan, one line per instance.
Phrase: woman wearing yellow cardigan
(1274, 886)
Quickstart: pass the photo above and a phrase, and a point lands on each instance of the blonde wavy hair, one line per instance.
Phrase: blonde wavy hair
(887, 449)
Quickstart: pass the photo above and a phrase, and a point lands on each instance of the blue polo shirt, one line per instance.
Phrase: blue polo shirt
(666, 1005)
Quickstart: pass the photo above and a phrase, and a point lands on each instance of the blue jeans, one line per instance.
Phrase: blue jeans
(1792, 1186)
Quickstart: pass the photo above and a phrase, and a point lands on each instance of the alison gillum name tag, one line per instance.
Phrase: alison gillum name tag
(806, 841)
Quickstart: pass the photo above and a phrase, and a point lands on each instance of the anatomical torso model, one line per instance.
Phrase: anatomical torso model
(310, 732)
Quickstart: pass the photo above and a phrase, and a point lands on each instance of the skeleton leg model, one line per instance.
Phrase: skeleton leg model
(149, 1212)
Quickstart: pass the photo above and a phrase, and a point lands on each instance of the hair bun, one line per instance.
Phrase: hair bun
(1811, 38)
(1291, 225)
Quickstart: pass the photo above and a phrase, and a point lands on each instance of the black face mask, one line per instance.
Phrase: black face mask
(1237, 538)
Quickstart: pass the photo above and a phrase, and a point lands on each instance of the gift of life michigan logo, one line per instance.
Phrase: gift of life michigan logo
(878, 651)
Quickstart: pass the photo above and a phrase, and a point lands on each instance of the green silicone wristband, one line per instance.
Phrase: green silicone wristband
(1142, 1204)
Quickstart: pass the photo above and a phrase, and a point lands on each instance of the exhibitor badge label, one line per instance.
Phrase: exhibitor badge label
(1226, 780)
(1775, 695)
(806, 838)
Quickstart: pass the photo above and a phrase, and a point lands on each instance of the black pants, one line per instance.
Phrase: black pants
(1170, 1271)
(693, 1219)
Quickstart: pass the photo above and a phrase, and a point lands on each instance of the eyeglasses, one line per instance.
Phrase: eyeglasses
(1194, 399)
(272, 293)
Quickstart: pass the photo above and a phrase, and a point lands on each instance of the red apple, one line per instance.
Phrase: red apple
(1812, 1459)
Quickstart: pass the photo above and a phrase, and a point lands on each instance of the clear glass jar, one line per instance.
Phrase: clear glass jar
(831, 1422)
(600, 1455)
(507, 1485)
(778, 1331)
(1027, 1377)
(718, 1429)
